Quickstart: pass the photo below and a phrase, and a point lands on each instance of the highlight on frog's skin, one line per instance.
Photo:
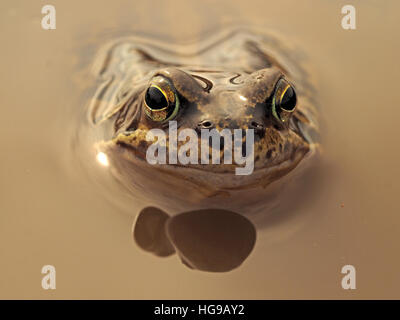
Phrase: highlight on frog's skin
(243, 148)
(102, 158)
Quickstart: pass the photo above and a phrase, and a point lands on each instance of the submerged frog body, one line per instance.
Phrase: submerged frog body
(236, 80)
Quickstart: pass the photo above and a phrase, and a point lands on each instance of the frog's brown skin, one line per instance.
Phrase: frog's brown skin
(226, 84)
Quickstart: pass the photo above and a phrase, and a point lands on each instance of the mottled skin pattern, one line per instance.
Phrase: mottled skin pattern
(227, 83)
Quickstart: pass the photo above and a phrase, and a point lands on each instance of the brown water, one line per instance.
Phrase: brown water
(52, 213)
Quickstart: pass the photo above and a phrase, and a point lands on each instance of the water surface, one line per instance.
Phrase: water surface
(52, 213)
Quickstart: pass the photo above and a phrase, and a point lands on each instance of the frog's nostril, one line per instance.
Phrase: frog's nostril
(206, 124)
(255, 125)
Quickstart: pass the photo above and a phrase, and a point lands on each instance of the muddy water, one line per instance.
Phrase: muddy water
(53, 213)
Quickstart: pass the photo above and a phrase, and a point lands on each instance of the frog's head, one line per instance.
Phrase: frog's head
(264, 101)
(260, 97)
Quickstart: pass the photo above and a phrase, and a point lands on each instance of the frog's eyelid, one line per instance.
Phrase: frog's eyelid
(184, 83)
(160, 75)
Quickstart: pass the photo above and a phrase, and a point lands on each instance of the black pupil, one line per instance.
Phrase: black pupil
(288, 101)
(155, 99)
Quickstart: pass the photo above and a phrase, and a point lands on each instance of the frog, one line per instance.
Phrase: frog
(234, 80)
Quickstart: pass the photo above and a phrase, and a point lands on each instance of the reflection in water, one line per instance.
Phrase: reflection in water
(149, 232)
(211, 240)
(102, 159)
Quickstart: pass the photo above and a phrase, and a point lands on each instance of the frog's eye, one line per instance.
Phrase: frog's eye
(283, 101)
(161, 101)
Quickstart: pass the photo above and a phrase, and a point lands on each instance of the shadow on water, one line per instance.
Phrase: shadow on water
(207, 240)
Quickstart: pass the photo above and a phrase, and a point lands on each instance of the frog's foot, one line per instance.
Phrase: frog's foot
(212, 240)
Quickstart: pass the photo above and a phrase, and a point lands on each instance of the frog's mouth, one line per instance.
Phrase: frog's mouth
(221, 176)
(138, 147)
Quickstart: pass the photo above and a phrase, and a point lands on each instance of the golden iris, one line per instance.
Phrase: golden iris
(284, 100)
(161, 100)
